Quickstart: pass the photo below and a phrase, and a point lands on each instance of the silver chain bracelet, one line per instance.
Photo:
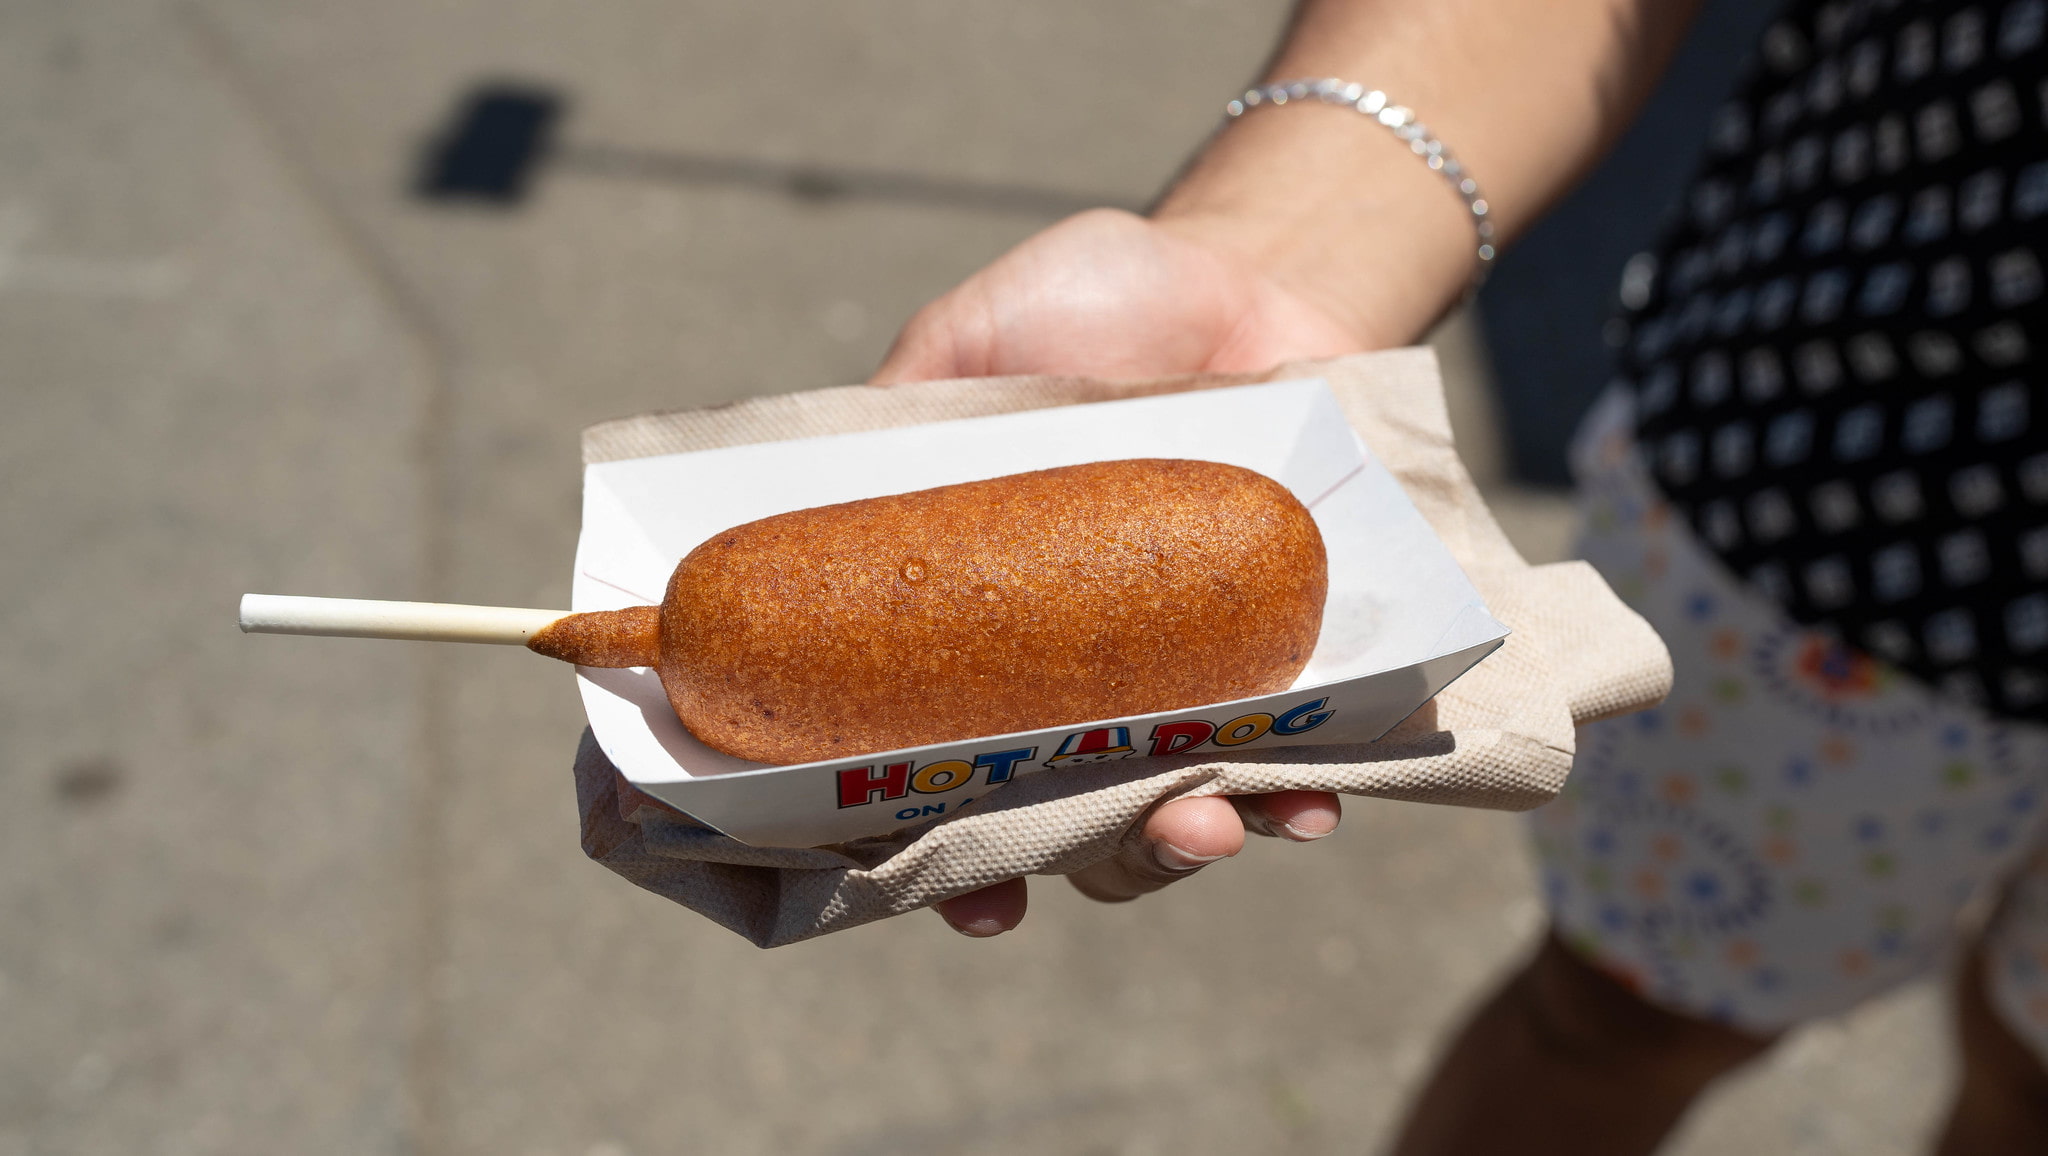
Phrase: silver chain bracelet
(1399, 118)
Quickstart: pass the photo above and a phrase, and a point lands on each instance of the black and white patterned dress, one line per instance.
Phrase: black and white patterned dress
(1837, 351)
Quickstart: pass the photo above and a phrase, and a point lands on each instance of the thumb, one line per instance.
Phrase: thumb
(1180, 838)
(930, 347)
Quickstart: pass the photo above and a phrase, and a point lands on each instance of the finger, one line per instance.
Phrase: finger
(1189, 833)
(1179, 839)
(990, 911)
(927, 348)
(1297, 816)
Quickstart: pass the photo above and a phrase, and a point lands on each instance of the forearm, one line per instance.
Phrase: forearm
(1528, 94)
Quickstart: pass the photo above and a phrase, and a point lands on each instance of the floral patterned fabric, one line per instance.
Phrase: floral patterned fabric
(1800, 825)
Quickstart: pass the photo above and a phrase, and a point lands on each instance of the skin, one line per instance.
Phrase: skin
(1307, 232)
(1299, 233)
(1567, 1060)
(2001, 1103)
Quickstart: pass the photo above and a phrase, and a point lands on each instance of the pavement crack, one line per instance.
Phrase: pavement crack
(426, 873)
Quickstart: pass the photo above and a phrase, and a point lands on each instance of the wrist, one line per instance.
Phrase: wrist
(1336, 210)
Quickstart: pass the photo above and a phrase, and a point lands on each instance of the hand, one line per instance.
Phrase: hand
(1108, 294)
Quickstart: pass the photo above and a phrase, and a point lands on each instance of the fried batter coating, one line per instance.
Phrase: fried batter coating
(1059, 596)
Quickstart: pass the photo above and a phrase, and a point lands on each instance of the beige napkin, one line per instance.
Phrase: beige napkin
(1500, 737)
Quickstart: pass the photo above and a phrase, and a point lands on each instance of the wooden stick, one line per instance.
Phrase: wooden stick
(361, 618)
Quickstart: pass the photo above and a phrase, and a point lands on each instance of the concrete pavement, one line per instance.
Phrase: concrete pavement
(271, 894)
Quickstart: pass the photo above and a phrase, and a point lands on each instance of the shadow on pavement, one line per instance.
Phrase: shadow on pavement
(499, 136)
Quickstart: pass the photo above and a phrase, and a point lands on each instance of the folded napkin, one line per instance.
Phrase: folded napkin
(1501, 737)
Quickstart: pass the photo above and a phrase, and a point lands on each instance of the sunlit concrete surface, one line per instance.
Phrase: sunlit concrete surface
(265, 895)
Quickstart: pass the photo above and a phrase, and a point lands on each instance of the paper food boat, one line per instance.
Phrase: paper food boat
(1401, 623)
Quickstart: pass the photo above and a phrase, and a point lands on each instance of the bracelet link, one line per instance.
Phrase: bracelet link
(1400, 120)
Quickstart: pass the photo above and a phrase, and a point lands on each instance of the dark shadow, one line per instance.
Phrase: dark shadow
(501, 134)
(496, 139)
(822, 185)
(1546, 308)
(84, 782)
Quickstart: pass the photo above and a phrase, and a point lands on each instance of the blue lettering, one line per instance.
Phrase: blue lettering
(907, 813)
(1299, 719)
(1003, 764)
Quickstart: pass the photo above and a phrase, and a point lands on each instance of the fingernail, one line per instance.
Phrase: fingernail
(1259, 824)
(1174, 859)
(1301, 836)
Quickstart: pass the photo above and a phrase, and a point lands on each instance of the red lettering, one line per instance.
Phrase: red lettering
(1173, 738)
(860, 785)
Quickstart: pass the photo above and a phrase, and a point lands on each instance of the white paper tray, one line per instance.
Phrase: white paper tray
(1401, 623)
